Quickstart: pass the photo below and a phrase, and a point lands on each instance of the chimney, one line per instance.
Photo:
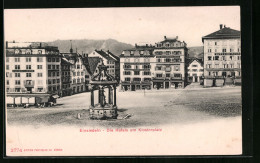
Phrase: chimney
(164, 37)
(176, 37)
(135, 44)
(40, 44)
(146, 45)
(13, 41)
(220, 26)
(225, 26)
(6, 44)
(108, 51)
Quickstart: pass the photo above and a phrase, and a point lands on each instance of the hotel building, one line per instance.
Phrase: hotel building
(32, 68)
(170, 70)
(136, 68)
(222, 54)
(154, 67)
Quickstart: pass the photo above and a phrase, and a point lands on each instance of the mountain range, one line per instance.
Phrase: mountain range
(114, 46)
(87, 46)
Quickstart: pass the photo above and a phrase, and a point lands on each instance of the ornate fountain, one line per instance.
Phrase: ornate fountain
(104, 109)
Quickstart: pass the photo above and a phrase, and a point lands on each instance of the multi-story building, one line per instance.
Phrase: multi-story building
(170, 67)
(195, 70)
(109, 60)
(77, 71)
(32, 68)
(222, 53)
(137, 68)
(66, 77)
(159, 66)
(91, 64)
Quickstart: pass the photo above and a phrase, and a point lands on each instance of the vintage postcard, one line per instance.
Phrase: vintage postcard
(137, 81)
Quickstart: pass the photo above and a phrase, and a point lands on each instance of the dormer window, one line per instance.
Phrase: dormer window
(141, 52)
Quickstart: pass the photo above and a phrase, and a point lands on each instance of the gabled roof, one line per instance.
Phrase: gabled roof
(224, 33)
(113, 55)
(105, 55)
(91, 63)
(65, 61)
(190, 60)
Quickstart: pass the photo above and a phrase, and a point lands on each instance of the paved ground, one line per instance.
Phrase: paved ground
(149, 108)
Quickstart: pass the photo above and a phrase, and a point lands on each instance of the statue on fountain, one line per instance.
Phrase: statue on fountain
(103, 109)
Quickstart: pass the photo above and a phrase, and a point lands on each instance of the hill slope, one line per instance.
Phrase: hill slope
(87, 46)
(196, 52)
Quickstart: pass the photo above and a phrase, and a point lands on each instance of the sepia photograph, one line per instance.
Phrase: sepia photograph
(123, 81)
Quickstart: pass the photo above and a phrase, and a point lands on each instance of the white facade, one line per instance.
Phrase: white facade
(107, 60)
(195, 71)
(29, 68)
(221, 56)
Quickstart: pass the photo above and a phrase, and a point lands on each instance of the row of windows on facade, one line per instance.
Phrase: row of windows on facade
(223, 66)
(224, 58)
(53, 67)
(30, 82)
(53, 74)
(78, 73)
(127, 66)
(65, 67)
(110, 62)
(66, 73)
(18, 67)
(39, 89)
(27, 51)
(223, 43)
(53, 59)
(177, 44)
(137, 73)
(163, 68)
(224, 74)
(157, 60)
(196, 70)
(17, 82)
(82, 80)
(157, 75)
(77, 66)
(137, 60)
(224, 50)
(168, 52)
(27, 59)
(9, 75)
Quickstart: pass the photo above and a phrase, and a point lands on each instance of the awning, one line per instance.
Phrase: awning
(55, 96)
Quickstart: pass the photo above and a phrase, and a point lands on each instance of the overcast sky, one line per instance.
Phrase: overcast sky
(129, 25)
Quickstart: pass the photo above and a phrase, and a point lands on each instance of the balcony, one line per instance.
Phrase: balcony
(28, 83)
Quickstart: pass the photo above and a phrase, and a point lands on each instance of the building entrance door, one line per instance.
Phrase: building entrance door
(196, 79)
(167, 85)
(133, 88)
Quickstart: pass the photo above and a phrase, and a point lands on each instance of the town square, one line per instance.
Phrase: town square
(123, 81)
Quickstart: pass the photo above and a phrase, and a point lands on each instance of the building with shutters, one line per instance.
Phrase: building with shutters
(32, 67)
(222, 56)
(137, 68)
(77, 71)
(154, 67)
